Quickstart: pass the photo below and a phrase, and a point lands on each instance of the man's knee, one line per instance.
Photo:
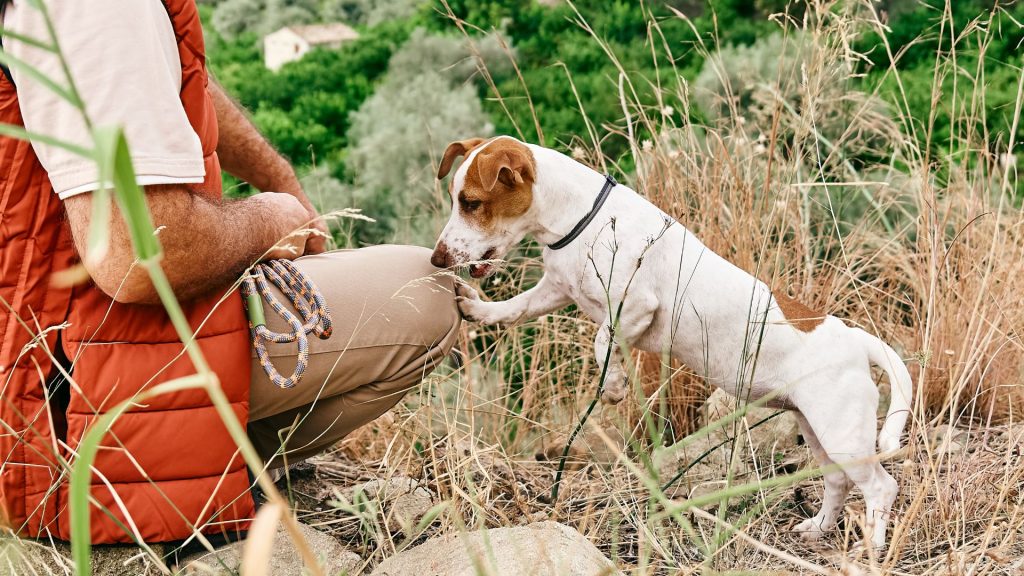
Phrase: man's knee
(431, 292)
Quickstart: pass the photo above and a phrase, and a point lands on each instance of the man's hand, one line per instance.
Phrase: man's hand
(206, 244)
(316, 241)
(293, 218)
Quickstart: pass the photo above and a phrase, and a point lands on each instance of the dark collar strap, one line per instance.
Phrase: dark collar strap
(609, 183)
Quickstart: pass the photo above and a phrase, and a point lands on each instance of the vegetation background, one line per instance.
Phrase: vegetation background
(859, 154)
(366, 123)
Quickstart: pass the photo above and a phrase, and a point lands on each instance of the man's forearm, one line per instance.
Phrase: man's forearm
(245, 153)
(206, 244)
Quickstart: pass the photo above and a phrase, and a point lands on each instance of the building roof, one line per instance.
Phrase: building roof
(325, 33)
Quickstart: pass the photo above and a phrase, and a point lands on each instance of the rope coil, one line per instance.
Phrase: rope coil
(304, 297)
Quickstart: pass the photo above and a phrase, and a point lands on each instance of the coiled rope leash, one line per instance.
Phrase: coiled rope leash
(303, 295)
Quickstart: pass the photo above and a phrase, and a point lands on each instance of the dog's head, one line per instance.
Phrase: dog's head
(491, 192)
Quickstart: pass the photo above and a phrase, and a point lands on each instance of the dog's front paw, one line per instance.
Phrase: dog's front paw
(473, 308)
(463, 291)
(614, 389)
(809, 530)
(468, 300)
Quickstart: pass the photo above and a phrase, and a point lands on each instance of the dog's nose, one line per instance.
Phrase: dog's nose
(441, 258)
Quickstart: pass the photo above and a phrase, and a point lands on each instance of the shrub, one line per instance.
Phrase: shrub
(397, 137)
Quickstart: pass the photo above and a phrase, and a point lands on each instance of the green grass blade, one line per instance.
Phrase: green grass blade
(116, 167)
(67, 95)
(98, 240)
(81, 472)
(21, 133)
(132, 201)
(78, 493)
(34, 42)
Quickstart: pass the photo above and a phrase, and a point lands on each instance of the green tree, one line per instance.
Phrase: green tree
(232, 18)
(399, 133)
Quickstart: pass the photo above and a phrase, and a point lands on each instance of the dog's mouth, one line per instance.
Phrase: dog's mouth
(483, 269)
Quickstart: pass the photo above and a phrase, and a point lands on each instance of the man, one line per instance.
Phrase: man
(69, 354)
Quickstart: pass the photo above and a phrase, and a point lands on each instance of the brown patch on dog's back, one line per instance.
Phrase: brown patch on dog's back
(499, 182)
(797, 314)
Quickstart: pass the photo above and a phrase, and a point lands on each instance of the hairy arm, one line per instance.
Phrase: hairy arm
(245, 154)
(206, 244)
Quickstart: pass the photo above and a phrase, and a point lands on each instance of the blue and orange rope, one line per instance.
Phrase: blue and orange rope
(304, 297)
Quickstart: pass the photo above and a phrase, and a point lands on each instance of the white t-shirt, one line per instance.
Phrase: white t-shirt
(123, 58)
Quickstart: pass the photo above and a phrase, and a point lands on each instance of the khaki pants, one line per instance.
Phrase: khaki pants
(394, 320)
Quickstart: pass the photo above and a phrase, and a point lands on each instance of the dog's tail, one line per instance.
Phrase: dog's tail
(902, 389)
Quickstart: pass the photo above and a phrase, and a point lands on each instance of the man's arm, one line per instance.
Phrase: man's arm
(245, 154)
(133, 79)
(206, 244)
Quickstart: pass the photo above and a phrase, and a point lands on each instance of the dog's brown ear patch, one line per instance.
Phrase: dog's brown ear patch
(798, 315)
(453, 151)
(509, 161)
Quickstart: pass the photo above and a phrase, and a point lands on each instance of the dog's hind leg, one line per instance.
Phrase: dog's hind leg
(837, 486)
(845, 426)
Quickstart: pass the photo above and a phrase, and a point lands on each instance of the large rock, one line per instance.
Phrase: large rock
(285, 561)
(403, 501)
(765, 442)
(544, 548)
(19, 557)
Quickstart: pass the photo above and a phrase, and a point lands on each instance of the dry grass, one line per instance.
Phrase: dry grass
(930, 264)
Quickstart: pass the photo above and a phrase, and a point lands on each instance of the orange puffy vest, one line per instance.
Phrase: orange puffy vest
(165, 468)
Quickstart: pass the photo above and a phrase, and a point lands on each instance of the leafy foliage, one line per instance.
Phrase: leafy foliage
(918, 35)
(565, 85)
(234, 17)
(304, 109)
(399, 133)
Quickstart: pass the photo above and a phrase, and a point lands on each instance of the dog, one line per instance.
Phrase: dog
(653, 285)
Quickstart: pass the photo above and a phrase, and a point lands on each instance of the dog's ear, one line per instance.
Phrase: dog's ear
(510, 164)
(453, 151)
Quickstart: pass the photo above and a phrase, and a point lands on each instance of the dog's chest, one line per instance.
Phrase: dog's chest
(575, 284)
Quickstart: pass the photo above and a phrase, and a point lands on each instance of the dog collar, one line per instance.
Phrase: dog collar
(609, 183)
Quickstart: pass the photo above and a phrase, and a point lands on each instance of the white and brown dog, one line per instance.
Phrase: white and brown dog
(607, 245)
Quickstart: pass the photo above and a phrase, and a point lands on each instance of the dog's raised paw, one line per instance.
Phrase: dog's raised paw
(466, 308)
(468, 300)
(464, 291)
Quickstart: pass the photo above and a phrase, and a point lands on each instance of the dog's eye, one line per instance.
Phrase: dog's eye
(469, 205)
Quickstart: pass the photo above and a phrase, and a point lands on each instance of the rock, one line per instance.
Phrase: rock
(403, 501)
(41, 557)
(778, 434)
(948, 440)
(771, 438)
(19, 557)
(1013, 434)
(285, 560)
(589, 447)
(535, 549)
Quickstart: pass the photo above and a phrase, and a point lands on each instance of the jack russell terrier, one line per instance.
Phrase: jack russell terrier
(653, 285)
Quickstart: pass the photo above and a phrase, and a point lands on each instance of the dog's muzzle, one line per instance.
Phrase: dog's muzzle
(441, 258)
